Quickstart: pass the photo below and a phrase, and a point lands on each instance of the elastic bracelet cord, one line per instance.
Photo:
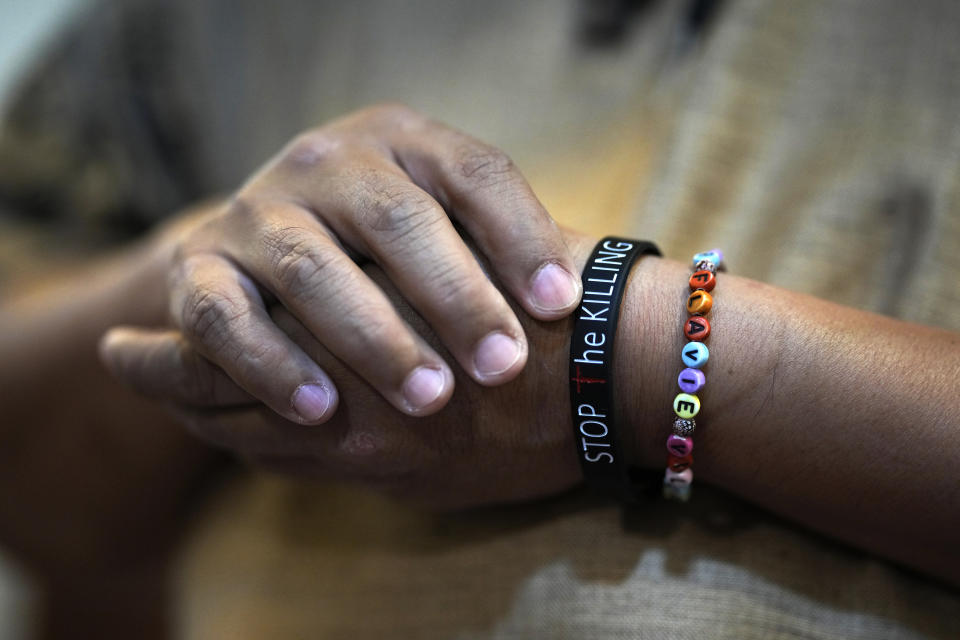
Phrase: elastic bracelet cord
(591, 366)
(694, 354)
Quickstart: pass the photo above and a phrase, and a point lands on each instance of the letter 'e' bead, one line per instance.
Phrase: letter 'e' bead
(679, 446)
(703, 279)
(696, 328)
(695, 354)
(686, 405)
(699, 303)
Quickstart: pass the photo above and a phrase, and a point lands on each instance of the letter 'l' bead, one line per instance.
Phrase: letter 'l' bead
(679, 446)
(691, 380)
(684, 427)
(699, 302)
(686, 405)
(695, 354)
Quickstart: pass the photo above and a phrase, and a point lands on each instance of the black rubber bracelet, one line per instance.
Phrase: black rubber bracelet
(591, 366)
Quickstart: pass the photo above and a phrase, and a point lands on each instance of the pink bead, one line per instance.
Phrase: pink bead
(681, 477)
(679, 446)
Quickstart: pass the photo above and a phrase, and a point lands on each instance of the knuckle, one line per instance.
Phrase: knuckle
(208, 316)
(311, 149)
(299, 261)
(483, 165)
(397, 213)
(454, 289)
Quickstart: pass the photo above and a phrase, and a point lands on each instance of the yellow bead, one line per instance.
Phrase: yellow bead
(686, 405)
(699, 302)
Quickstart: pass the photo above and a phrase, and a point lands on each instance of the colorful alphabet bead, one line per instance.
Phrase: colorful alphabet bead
(696, 328)
(691, 380)
(679, 474)
(703, 279)
(678, 477)
(714, 255)
(695, 354)
(686, 405)
(678, 463)
(699, 302)
(679, 446)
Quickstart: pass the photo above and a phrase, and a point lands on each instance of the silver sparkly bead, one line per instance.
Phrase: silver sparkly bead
(705, 265)
(684, 427)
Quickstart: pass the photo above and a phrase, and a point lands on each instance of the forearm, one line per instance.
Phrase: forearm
(80, 455)
(837, 418)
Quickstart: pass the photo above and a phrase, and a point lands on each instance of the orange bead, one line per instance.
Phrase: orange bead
(696, 328)
(679, 464)
(703, 280)
(699, 302)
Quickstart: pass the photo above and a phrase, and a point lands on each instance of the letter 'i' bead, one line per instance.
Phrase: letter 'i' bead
(695, 354)
(696, 328)
(699, 302)
(679, 446)
(691, 380)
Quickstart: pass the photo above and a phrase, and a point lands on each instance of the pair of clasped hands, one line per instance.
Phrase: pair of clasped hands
(316, 316)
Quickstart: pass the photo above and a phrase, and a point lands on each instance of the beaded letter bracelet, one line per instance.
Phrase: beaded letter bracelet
(679, 475)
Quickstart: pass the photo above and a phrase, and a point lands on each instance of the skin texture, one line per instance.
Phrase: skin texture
(384, 185)
(821, 413)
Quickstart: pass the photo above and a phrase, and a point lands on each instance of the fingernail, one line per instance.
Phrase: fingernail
(311, 401)
(554, 288)
(495, 354)
(422, 387)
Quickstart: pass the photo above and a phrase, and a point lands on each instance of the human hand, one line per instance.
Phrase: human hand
(487, 445)
(384, 185)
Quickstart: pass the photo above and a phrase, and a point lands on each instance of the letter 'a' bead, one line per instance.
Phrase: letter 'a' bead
(686, 405)
(696, 328)
(691, 380)
(679, 446)
(699, 302)
(695, 354)
(703, 279)
(684, 427)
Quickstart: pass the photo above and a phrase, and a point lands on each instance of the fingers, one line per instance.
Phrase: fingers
(318, 283)
(222, 316)
(410, 236)
(160, 364)
(483, 190)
